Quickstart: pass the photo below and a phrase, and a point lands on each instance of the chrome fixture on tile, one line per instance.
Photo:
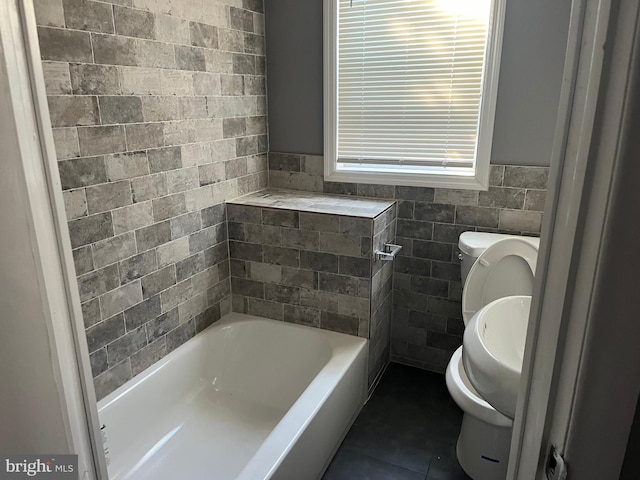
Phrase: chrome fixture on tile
(388, 253)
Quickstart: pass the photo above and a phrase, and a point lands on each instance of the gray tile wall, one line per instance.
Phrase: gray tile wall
(427, 315)
(158, 110)
(313, 269)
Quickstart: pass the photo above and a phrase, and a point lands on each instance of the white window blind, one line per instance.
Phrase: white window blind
(409, 82)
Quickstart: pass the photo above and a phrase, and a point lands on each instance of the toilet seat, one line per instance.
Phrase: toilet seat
(504, 269)
(467, 398)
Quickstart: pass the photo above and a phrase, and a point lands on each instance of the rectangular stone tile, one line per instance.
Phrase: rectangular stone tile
(325, 301)
(160, 108)
(520, 220)
(114, 50)
(168, 207)
(240, 19)
(94, 79)
(340, 244)
(156, 282)
(356, 226)
(147, 356)
(75, 203)
(180, 335)
(162, 325)
(355, 266)
(137, 266)
(126, 165)
(88, 15)
(284, 162)
(207, 238)
(98, 360)
(49, 13)
(445, 271)
(301, 239)
(245, 251)
(172, 29)
(319, 222)
(126, 345)
(177, 83)
(243, 214)
(339, 323)
(90, 229)
(247, 287)
(432, 250)
(302, 315)
(153, 235)
(354, 307)
(477, 216)
(206, 83)
(142, 313)
(66, 142)
(83, 260)
(496, 175)
(154, 54)
(149, 187)
(190, 58)
(231, 41)
(192, 307)
(535, 200)
(264, 272)
(56, 78)
(295, 277)
(105, 332)
(322, 262)
(203, 35)
(82, 172)
(434, 212)
(101, 140)
(120, 299)
(132, 217)
(208, 317)
(502, 197)
(436, 287)
(190, 266)
(68, 111)
(265, 308)
(456, 197)
(108, 196)
(282, 293)
(163, 159)
(182, 179)
(64, 45)
(231, 85)
(134, 23)
(219, 292)
(526, 177)
(443, 232)
(98, 282)
(243, 64)
(175, 295)
(234, 127)
(120, 109)
(143, 136)
(343, 284)
(185, 225)
(140, 81)
(414, 229)
(108, 381)
(114, 249)
(283, 218)
(213, 215)
(281, 256)
(91, 312)
(173, 252)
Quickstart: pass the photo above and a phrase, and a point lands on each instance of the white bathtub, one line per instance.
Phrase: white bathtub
(249, 398)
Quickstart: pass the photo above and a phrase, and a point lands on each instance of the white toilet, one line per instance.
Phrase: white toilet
(506, 266)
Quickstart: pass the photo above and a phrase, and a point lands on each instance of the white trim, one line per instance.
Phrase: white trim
(586, 154)
(52, 246)
(480, 178)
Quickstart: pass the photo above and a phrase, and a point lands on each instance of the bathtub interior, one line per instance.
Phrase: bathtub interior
(226, 388)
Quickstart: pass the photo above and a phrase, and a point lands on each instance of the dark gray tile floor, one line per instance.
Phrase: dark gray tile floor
(407, 430)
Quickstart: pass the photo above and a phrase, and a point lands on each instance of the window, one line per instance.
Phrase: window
(410, 90)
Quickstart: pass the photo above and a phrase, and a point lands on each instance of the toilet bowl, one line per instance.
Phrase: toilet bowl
(493, 266)
(485, 434)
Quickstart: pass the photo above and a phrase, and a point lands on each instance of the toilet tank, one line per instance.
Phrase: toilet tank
(472, 244)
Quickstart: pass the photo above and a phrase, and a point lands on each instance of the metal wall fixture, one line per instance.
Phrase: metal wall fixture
(388, 252)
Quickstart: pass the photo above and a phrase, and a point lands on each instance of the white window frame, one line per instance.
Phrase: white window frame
(478, 181)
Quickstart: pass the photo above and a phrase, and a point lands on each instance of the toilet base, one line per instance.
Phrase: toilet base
(483, 449)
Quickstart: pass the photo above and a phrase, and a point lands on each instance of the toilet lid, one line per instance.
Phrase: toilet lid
(504, 269)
